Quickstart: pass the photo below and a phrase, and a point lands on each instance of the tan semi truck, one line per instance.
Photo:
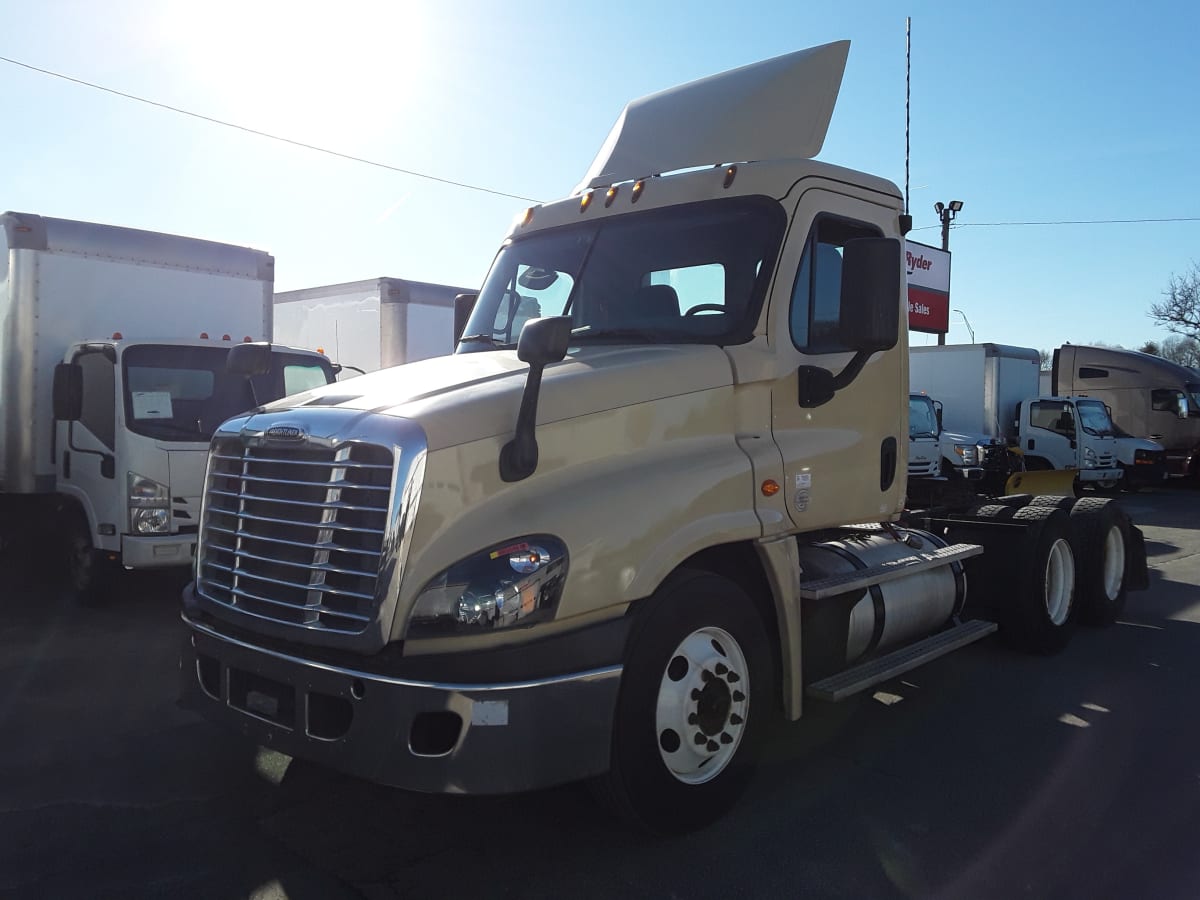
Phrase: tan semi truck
(615, 534)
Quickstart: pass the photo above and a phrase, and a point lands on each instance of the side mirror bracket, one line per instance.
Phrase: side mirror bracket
(542, 342)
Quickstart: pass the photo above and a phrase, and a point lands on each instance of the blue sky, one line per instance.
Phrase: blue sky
(1024, 111)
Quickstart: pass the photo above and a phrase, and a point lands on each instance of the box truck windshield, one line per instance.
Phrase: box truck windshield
(179, 393)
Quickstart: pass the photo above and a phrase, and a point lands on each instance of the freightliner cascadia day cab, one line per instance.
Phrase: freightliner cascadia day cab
(372, 324)
(114, 346)
(614, 541)
(1150, 398)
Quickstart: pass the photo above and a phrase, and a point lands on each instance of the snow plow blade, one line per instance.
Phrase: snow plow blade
(1055, 482)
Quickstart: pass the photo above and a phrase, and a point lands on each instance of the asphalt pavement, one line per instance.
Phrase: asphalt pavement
(987, 773)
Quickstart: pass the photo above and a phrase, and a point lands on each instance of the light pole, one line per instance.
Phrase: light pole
(946, 212)
(970, 330)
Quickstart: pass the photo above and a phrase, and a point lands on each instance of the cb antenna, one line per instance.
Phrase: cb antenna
(906, 219)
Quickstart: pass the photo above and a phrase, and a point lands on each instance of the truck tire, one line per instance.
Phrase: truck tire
(1103, 529)
(89, 577)
(1052, 501)
(1040, 612)
(697, 695)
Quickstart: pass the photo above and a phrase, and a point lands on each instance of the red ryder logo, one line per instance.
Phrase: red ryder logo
(917, 262)
(928, 271)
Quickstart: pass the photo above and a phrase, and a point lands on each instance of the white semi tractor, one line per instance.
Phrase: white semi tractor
(616, 540)
(114, 346)
(371, 324)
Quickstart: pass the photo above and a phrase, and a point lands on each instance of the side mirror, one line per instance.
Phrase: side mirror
(249, 359)
(1181, 406)
(937, 411)
(68, 392)
(543, 341)
(870, 297)
(464, 305)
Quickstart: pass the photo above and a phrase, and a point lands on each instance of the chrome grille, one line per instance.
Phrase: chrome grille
(295, 535)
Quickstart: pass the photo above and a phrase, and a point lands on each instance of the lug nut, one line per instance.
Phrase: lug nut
(700, 738)
(738, 696)
(692, 718)
(722, 668)
(735, 719)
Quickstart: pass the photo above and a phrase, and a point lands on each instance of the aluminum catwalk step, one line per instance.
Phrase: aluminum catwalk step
(867, 675)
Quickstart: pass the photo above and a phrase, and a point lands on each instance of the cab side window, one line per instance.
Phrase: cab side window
(816, 295)
(1052, 416)
(99, 398)
(1163, 400)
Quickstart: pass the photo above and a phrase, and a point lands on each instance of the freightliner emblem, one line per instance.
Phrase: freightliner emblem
(289, 434)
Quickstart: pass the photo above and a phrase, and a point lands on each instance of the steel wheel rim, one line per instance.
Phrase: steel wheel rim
(703, 706)
(1059, 581)
(1114, 562)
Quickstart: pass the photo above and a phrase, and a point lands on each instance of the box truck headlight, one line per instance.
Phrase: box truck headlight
(516, 583)
(1089, 458)
(149, 511)
(969, 454)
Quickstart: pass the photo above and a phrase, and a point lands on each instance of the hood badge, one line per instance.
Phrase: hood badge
(285, 434)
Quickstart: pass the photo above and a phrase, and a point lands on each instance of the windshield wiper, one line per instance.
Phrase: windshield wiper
(479, 339)
(640, 335)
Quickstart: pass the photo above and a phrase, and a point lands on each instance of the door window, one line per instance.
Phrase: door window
(816, 295)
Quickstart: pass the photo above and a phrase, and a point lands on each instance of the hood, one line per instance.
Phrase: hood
(471, 396)
(958, 437)
(775, 109)
(1136, 443)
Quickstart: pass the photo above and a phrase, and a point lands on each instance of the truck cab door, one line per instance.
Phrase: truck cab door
(1049, 430)
(86, 450)
(844, 459)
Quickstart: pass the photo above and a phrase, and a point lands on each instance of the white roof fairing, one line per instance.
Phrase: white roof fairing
(775, 109)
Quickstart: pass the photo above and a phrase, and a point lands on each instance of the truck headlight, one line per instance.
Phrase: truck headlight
(969, 454)
(516, 583)
(1089, 458)
(149, 505)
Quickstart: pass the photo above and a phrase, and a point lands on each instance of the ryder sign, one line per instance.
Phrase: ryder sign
(928, 288)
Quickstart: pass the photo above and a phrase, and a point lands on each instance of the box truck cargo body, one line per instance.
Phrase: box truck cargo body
(371, 324)
(113, 352)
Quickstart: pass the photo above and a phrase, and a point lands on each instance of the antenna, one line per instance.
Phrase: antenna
(907, 96)
(337, 350)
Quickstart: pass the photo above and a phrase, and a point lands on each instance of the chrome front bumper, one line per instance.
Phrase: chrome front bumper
(423, 736)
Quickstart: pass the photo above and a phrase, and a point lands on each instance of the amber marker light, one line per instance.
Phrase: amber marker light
(610, 197)
(638, 187)
(770, 487)
(730, 174)
(586, 201)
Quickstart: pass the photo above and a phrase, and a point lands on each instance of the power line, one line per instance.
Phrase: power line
(1064, 222)
(273, 137)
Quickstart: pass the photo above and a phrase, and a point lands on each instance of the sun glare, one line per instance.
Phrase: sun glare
(307, 70)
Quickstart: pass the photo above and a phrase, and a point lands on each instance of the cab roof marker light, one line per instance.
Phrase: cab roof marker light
(730, 174)
(638, 187)
(586, 201)
(204, 335)
(610, 196)
(117, 336)
(226, 337)
(247, 340)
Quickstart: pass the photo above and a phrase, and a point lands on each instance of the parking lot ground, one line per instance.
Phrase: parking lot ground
(984, 774)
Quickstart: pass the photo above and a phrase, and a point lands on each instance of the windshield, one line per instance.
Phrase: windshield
(1093, 418)
(922, 418)
(687, 274)
(175, 393)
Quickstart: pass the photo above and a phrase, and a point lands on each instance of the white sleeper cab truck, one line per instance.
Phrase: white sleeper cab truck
(615, 541)
(114, 370)
(372, 324)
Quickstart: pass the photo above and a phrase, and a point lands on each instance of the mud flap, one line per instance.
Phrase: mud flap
(1056, 482)
(1137, 574)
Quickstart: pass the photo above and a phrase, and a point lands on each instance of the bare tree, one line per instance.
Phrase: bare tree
(1047, 361)
(1182, 350)
(1179, 312)
(1150, 347)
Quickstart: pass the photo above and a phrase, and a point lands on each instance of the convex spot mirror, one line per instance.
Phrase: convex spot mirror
(249, 359)
(869, 319)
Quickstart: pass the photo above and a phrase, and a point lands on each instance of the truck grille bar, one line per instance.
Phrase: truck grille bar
(295, 535)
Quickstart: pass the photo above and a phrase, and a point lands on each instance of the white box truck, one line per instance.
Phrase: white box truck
(990, 398)
(114, 345)
(371, 324)
(617, 544)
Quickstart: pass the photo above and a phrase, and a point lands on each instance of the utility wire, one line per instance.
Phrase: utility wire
(273, 137)
(1062, 222)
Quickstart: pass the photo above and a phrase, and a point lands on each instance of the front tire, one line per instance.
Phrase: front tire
(89, 576)
(697, 694)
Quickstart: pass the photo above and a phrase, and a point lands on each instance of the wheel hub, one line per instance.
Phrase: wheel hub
(702, 706)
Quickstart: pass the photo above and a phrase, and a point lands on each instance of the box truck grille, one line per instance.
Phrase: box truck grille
(295, 535)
